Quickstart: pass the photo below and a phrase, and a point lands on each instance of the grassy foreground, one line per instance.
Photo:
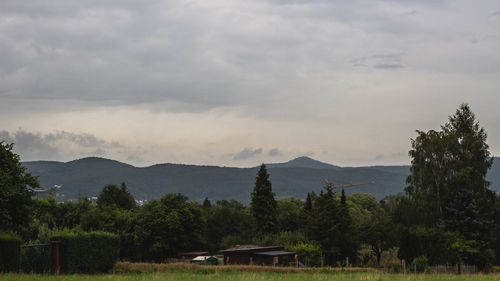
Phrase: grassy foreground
(250, 276)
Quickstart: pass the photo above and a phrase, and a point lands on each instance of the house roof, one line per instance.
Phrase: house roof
(253, 249)
(193, 253)
(275, 253)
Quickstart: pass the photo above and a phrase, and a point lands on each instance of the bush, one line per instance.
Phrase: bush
(10, 247)
(393, 266)
(310, 254)
(420, 263)
(87, 252)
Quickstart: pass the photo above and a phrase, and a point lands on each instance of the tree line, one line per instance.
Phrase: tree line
(446, 215)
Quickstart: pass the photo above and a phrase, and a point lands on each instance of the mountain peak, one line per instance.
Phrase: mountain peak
(303, 162)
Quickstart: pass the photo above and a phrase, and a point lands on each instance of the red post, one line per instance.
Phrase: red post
(57, 261)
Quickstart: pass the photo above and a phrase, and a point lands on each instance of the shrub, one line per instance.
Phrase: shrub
(87, 252)
(393, 266)
(420, 263)
(310, 254)
(10, 249)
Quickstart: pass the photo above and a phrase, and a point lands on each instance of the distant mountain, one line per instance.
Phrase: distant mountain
(303, 162)
(86, 177)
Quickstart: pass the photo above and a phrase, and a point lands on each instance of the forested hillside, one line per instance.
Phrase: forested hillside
(86, 177)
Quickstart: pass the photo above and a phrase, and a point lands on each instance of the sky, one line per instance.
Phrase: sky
(239, 83)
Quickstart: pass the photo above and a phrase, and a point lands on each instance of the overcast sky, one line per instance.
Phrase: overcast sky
(238, 83)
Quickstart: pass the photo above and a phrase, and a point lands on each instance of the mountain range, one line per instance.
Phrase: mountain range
(87, 176)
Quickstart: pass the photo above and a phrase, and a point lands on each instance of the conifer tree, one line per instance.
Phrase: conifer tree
(263, 204)
(207, 203)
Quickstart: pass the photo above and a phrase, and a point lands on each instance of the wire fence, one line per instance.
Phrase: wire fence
(36, 258)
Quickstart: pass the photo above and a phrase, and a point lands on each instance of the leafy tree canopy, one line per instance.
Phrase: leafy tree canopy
(15, 197)
(116, 197)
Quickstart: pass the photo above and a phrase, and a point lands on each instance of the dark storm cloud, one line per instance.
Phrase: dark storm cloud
(247, 153)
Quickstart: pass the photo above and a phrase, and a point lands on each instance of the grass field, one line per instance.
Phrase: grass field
(250, 276)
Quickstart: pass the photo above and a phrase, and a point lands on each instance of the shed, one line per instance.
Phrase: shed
(273, 258)
(251, 254)
(205, 260)
(191, 255)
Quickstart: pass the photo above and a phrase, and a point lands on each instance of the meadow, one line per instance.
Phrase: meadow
(251, 276)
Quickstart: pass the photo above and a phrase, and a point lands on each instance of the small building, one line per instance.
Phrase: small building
(256, 255)
(188, 256)
(205, 260)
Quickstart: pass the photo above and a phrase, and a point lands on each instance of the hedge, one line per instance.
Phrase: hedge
(87, 252)
(10, 249)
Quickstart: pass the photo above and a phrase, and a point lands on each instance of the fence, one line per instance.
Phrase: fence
(450, 269)
(432, 269)
(39, 258)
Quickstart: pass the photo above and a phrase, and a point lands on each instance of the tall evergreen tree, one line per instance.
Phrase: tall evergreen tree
(350, 239)
(324, 226)
(207, 203)
(263, 204)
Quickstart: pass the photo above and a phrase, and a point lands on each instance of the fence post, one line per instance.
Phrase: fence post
(57, 258)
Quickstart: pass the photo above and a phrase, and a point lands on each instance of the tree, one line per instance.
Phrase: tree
(227, 222)
(446, 162)
(15, 197)
(207, 203)
(116, 197)
(324, 227)
(447, 185)
(289, 214)
(168, 226)
(263, 204)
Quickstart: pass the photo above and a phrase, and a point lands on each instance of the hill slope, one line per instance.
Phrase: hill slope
(86, 177)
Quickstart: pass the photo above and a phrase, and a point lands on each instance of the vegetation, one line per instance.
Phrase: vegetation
(235, 275)
(87, 252)
(263, 205)
(448, 215)
(15, 197)
(9, 247)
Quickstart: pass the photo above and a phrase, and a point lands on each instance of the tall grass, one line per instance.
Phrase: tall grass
(189, 272)
(250, 276)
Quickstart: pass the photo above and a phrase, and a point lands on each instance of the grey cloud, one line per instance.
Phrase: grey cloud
(97, 152)
(134, 159)
(52, 146)
(388, 66)
(247, 153)
(31, 146)
(274, 152)
(379, 61)
(85, 140)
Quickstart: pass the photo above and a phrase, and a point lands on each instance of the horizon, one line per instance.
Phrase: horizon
(221, 166)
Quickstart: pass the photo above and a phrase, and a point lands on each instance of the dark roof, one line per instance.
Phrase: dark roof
(193, 254)
(252, 249)
(275, 253)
